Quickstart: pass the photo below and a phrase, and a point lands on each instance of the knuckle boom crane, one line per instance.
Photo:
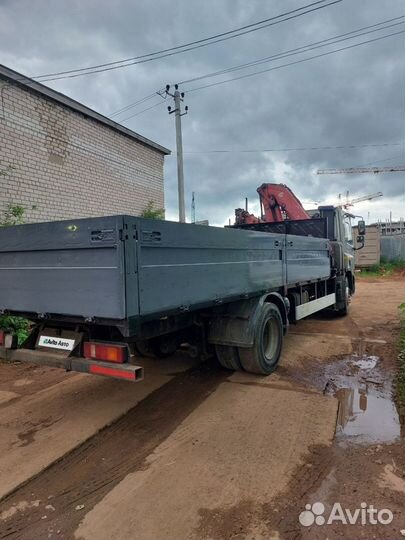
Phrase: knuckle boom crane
(277, 203)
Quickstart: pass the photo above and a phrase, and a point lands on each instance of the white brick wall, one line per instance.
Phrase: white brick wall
(68, 165)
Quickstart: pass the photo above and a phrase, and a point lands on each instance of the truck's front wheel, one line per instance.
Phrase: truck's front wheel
(264, 355)
(345, 302)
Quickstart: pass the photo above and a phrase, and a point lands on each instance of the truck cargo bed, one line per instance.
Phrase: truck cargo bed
(122, 267)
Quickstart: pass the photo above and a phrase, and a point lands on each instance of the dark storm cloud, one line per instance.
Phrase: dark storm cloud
(353, 97)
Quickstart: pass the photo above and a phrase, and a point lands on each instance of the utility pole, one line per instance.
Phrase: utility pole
(178, 97)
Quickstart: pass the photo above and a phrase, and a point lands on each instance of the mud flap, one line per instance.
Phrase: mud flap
(236, 326)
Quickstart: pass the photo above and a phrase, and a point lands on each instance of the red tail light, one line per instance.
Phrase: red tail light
(105, 351)
(1, 337)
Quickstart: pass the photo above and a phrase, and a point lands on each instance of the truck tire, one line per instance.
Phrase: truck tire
(228, 357)
(262, 358)
(341, 312)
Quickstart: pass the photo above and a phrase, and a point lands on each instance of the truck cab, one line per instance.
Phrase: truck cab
(339, 232)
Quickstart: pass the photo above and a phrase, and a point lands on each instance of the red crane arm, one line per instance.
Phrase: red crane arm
(278, 203)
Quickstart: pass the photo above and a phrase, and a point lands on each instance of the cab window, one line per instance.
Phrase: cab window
(348, 230)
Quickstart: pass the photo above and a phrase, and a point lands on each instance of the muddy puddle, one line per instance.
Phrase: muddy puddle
(367, 413)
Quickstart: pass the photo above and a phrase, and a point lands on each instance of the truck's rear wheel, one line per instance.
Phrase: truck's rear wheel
(264, 355)
(228, 357)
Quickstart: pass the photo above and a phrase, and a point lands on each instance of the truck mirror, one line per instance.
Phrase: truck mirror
(360, 239)
(361, 227)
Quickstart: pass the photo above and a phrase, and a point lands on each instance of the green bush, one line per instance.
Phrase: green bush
(153, 213)
(13, 215)
(18, 326)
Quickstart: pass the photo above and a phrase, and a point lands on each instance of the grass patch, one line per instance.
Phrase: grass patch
(385, 268)
(400, 378)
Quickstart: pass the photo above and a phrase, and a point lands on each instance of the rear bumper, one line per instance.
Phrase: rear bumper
(127, 372)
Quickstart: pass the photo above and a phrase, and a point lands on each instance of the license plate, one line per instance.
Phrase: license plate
(56, 343)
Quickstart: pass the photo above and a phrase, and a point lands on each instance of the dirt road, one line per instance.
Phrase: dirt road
(198, 453)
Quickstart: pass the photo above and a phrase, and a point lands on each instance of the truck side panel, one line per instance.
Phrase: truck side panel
(187, 265)
(122, 267)
(71, 268)
(307, 259)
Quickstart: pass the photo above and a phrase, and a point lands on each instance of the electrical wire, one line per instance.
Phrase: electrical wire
(379, 161)
(296, 149)
(294, 63)
(184, 48)
(160, 93)
(143, 110)
(304, 48)
(134, 104)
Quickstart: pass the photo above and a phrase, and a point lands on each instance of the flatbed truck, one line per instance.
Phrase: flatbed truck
(103, 292)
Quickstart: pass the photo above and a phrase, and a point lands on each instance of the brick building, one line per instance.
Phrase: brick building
(69, 161)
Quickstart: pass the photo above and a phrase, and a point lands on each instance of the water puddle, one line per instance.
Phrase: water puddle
(366, 413)
(365, 362)
(366, 418)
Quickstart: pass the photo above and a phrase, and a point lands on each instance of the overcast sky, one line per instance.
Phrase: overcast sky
(353, 97)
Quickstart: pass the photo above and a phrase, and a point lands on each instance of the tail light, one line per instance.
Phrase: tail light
(105, 351)
(2, 337)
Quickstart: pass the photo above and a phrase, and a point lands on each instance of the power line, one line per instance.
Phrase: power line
(134, 104)
(139, 102)
(143, 110)
(294, 63)
(296, 149)
(185, 48)
(380, 160)
(304, 48)
(291, 52)
(162, 51)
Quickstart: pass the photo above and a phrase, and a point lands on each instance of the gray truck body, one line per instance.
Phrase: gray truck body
(121, 268)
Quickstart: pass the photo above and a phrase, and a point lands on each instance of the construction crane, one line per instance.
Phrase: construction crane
(277, 203)
(356, 170)
(359, 199)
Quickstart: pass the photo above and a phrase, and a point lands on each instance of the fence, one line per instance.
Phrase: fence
(393, 247)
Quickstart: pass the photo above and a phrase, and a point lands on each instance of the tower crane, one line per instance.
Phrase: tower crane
(356, 170)
(360, 199)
